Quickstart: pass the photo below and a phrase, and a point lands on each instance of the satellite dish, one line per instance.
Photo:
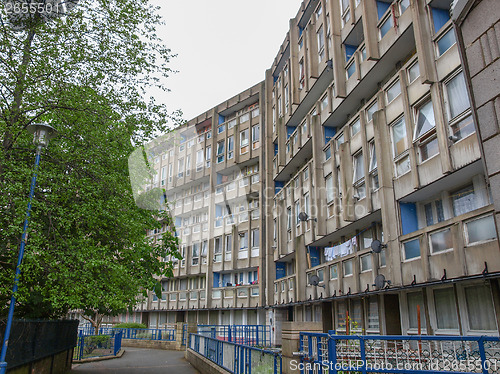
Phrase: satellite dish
(379, 281)
(303, 216)
(377, 246)
(314, 280)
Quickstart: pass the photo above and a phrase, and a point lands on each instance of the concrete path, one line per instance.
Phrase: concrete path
(139, 361)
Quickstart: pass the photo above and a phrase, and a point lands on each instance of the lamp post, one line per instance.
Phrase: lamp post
(42, 134)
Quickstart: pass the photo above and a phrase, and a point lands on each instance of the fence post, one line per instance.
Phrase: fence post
(159, 335)
(363, 354)
(82, 343)
(332, 352)
(482, 353)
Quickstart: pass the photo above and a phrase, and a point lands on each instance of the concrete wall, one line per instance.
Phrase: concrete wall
(202, 364)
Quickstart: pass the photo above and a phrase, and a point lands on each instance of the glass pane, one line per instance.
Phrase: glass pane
(457, 96)
(463, 128)
(359, 168)
(415, 299)
(480, 308)
(351, 69)
(425, 119)
(429, 149)
(464, 200)
(356, 321)
(446, 41)
(333, 272)
(414, 72)
(402, 166)
(371, 110)
(348, 267)
(355, 127)
(399, 137)
(393, 91)
(385, 27)
(439, 210)
(446, 309)
(429, 220)
(481, 229)
(373, 320)
(441, 241)
(341, 315)
(366, 263)
(412, 249)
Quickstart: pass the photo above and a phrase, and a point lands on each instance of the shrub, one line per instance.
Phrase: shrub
(93, 342)
(130, 325)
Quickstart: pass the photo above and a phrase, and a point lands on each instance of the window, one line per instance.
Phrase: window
(339, 141)
(403, 5)
(324, 103)
(220, 151)
(371, 111)
(402, 165)
(188, 164)
(359, 168)
(413, 72)
(195, 253)
(480, 311)
(446, 309)
(180, 168)
(306, 174)
(385, 26)
(218, 249)
(328, 153)
(446, 42)
(297, 212)
(330, 194)
(441, 241)
(382, 261)
(415, 300)
(373, 167)
(244, 141)
(464, 200)
(289, 218)
(459, 116)
(355, 127)
(319, 11)
(344, 9)
(230, 147)
(399, 140)
(411, 249)
(221, 128)
(228, 247)
(424, 119)
(351, 69)
(255, 136)
(170, 171)
(243, 240)
(321, 44)
(199, 160)
(393, 91)
(347, 265)
(255, 238)
(334, 271)
(366, 262)
(434, 212)
(480, 230)
(373, 318)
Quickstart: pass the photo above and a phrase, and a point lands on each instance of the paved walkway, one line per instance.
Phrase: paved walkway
(139, 361)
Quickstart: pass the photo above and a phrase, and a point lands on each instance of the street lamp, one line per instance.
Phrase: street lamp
(42, 134)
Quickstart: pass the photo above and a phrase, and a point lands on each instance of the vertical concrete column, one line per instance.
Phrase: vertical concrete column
(290, 334)
(178, 335)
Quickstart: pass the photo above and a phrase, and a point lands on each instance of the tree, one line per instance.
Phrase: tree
(86, 74)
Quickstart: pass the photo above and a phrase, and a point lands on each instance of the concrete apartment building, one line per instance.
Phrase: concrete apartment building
(349, 186)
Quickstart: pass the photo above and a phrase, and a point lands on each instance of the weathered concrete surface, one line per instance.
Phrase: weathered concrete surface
(140, 361)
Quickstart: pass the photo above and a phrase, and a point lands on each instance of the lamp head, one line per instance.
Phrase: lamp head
(42, 133)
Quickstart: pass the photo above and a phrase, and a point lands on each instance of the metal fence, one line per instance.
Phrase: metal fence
(98, 345)
(330, 353)
(254, 335)
(236, 358)
(166, 334)
(33, 340)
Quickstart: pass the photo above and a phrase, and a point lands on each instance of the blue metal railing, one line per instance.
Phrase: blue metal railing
(129, 333)
(321, 352)
(89, 346)
(254, 335)
(236, 358)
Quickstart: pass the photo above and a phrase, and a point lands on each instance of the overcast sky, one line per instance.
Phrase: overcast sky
(223, 47)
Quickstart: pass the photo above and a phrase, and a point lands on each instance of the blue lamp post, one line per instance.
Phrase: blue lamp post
(42, 134)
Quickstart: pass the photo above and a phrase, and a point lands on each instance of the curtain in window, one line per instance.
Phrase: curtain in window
(446, 309)
(457, 96)
(480, 308)
(425, 119)
(414, 299)
(399, 137)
